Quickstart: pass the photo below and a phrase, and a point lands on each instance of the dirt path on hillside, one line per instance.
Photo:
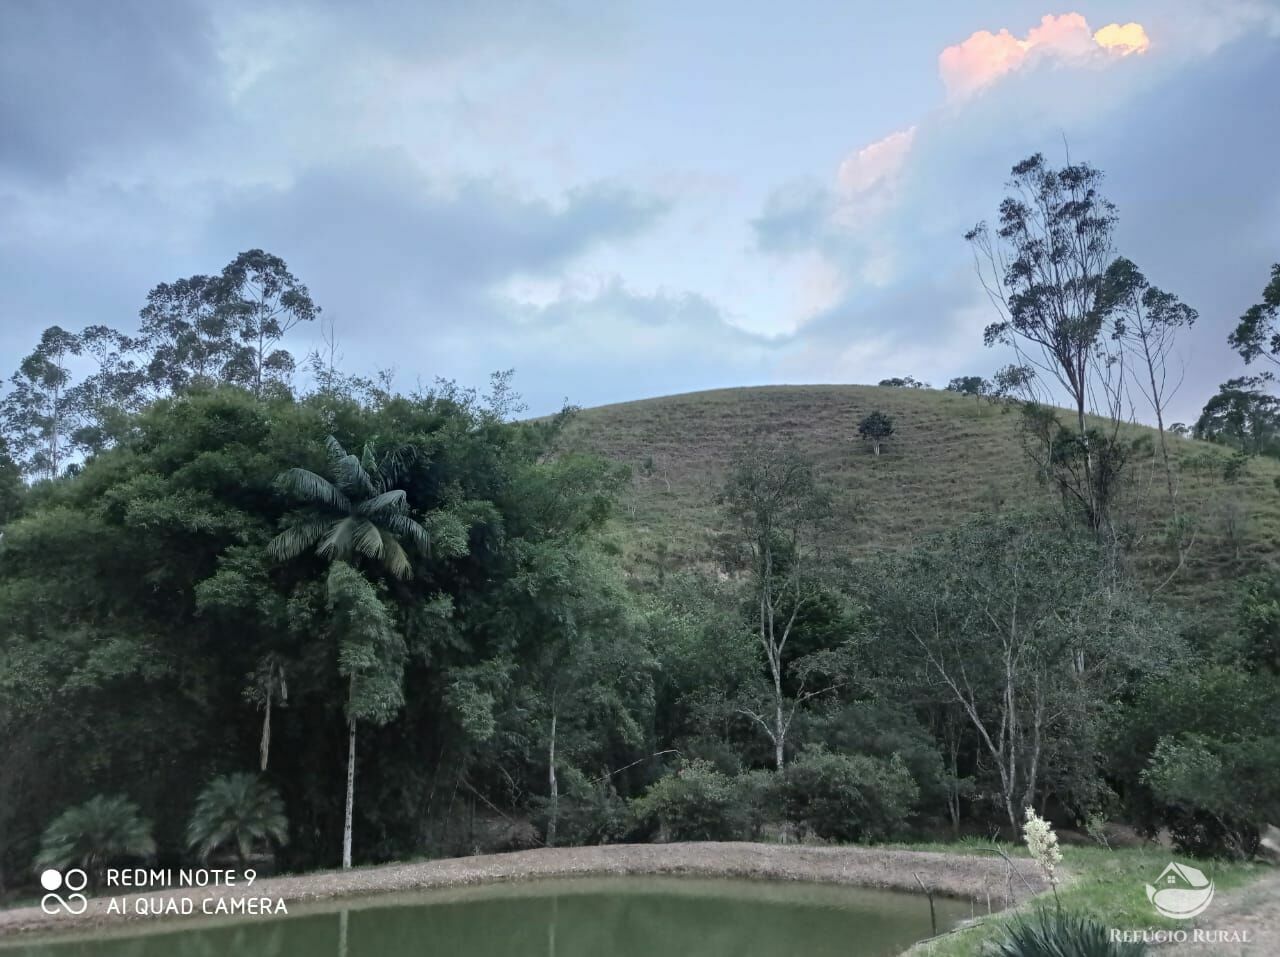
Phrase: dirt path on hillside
(980, 878)
(1253, 909)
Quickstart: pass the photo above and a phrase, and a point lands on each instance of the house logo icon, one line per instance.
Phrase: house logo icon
(1180, 892)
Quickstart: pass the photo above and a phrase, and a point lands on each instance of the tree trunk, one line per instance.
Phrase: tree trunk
(779, 721)
(351, 793)
(780, 733)
(555, 787)
(265, 747)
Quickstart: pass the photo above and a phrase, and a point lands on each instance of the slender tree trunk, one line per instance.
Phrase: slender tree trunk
(952, 736)
(265, 747)
(780, 730)
(555, 787)
(351, 793)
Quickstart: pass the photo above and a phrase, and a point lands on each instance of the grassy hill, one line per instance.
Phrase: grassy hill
(952, 456)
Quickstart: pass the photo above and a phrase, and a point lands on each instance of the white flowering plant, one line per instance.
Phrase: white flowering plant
(1042, 844)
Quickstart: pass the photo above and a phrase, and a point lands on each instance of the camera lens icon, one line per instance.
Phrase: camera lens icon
(74, 880)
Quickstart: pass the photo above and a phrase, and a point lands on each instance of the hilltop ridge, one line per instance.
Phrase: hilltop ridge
(952, 456)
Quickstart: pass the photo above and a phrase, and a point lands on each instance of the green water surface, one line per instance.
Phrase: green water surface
(611, 917)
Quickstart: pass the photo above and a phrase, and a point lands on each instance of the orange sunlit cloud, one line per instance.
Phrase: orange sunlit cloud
(1130, 38)
(982, 59)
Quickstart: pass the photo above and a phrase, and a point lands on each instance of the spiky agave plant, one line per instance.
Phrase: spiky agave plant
(240, 811)
(357, 512)
(1052, 933)
(94, 833)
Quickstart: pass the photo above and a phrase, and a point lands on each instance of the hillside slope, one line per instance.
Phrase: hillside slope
(952, 456)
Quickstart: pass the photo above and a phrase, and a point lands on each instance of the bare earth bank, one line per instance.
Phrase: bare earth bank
(983, 879)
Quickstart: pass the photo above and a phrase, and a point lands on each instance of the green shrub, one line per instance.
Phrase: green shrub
(240, 812)
(1055, 934)
(881, 728)
(95, 833)
(848, 797)
(588, 812)
(1218, 793)
(1197, 753)
(697, 803)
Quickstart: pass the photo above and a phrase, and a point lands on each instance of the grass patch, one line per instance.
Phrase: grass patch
(950, 458)
(1107, 886)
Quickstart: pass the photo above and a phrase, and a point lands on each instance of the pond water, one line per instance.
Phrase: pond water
(609, 917)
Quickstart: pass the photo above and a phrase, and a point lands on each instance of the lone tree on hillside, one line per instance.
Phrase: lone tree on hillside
(875, 428)
(904, 382)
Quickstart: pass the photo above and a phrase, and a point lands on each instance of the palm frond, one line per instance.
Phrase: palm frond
(390, 502)
(337, 542)
(297, 538)
(393, 555)
(365, 538)
(396, 462)
(335, 451)
(405, 527)
(314, 488)
(353, 477)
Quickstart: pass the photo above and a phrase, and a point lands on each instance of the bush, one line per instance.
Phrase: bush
(238, 811)
(698, 803)
(848, 797)
(1218, 793)
(882, 728)
(587, 813)
(93, 834)
(1055, 934)
(1197, 754)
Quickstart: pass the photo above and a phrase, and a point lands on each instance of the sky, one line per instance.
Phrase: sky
(623, 200)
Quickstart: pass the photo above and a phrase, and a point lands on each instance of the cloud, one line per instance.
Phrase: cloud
(580, 341)
(792, 216)
(985, 57)
(1169, 129)
(80, 81)
(447, 242)
(875, 164)
(867, 180)
(1126, 39)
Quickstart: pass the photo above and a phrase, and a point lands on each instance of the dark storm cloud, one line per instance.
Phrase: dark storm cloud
(80, 79)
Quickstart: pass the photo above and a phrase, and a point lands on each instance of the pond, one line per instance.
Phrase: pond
(598, 917)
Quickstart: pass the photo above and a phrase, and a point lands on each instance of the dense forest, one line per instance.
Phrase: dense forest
(257, 607)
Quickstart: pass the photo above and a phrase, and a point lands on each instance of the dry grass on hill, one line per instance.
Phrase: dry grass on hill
(951, 457)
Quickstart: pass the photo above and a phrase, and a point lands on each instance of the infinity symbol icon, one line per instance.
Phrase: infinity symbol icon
(74, 880)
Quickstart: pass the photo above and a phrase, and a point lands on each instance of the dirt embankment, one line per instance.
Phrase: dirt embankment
(983, 879)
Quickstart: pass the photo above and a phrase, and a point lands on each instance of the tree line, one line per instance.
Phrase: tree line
(343, 623)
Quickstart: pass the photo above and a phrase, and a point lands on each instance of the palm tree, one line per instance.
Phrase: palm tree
(240, 810)
(356, 514)
(94, 833)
